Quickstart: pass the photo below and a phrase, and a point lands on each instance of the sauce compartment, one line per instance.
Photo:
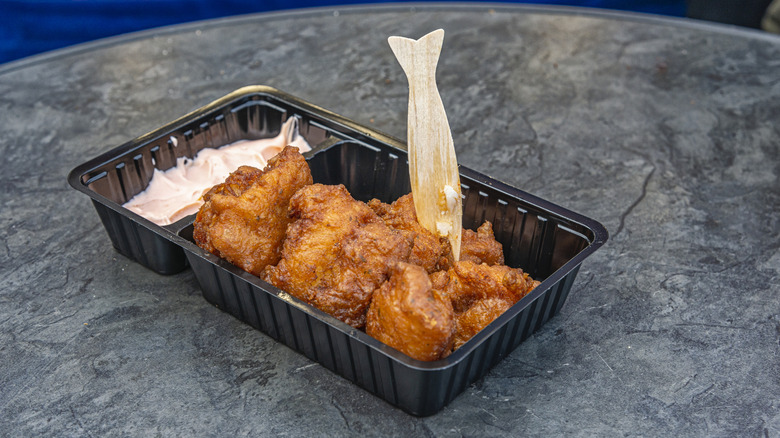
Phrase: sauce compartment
(115, 177)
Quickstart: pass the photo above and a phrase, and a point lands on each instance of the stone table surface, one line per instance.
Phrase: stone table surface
(666, 131)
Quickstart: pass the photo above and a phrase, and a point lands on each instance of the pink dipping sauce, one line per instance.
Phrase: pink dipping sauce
(178, 192)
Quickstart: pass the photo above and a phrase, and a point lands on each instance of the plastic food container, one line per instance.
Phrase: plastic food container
(545, 240)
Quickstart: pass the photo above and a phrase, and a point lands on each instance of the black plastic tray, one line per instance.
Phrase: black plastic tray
(545, 240)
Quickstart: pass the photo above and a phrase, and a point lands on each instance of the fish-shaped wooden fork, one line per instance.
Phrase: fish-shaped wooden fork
(433, 166)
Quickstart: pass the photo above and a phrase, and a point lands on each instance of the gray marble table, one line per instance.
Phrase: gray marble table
(667, 131)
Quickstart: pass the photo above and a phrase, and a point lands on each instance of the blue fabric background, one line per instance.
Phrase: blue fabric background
(28, 27)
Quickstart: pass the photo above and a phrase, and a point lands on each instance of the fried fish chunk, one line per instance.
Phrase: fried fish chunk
(467, 282)
(479, 293)
(337, 252)
(477, 317)
(481, 246)
(407, 314)
(244, 219)
(428, 250)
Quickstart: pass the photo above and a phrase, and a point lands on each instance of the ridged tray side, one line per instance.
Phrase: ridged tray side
(418, 390)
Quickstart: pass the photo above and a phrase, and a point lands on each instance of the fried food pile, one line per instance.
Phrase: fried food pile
(371, 265)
